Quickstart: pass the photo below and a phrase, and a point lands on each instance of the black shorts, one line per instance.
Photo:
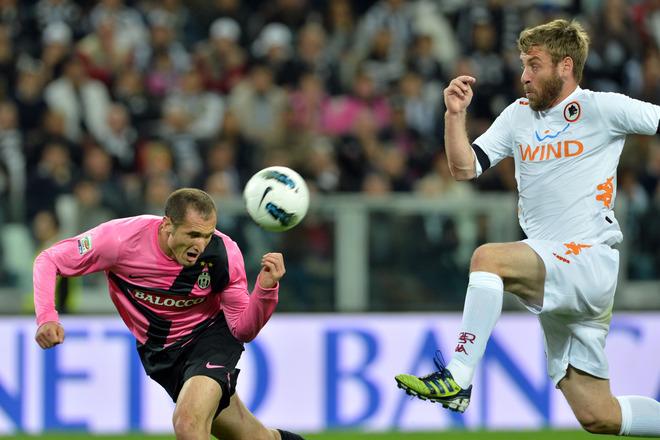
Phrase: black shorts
(213, 353)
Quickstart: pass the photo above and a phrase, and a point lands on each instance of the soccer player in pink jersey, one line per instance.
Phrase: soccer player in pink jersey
(180, 286)
(565, 142)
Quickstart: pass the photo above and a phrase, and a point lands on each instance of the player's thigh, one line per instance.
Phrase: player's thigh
(198, 401)
(236, 422)
(591, 400)
(519, 266)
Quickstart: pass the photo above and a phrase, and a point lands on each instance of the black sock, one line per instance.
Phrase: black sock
(286, 435)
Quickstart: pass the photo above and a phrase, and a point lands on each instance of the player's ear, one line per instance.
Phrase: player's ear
(566, 66)
(167, 225)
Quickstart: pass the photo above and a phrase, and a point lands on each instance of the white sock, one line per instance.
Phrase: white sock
(483, 307)
(640, 416)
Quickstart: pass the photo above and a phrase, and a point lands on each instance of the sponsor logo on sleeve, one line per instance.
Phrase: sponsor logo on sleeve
(85, 244)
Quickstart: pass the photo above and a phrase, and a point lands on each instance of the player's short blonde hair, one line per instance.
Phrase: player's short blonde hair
(561, 39)
(182, 200)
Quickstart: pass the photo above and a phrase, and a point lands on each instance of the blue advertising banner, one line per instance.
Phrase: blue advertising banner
(310, 373)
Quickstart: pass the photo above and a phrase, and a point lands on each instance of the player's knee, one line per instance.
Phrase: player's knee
(187, 425)
(484, 259)
(597, 423)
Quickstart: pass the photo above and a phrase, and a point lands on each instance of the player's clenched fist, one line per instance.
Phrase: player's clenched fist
(272, 270)
(50, 334)
(459, 94)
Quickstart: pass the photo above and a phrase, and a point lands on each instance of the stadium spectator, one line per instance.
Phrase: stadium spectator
(422, 61)
(241, 11)
(45, 12)
(155, 192)
(128, 24)
(130, 90)
(357, 153)
(164, 59)
(105, 51)
(186, 28)
(416, 150)
(291, 13)
(614, 62)
(421, 104)
(309, 57)
(174, 130)
(51, 129)
(646, 15)
(82, 100)
(320, 169)
(259, 105)
(220, 59)
(29, 100)
(394, 16)
(120, 138)
(246, 158)
(339, 21)
(340, 117)
(53, 175)
(203, 109)
(56, 49)
(274, 48)
(434, 44)
(308, 102)
(8, 68)
(220, 157)
(12, 147)
(98, 170)
(383, 65)
(190, 329)
(13, 18)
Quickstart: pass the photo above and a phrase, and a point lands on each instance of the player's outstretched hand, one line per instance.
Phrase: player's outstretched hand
(272, 269)
(50, 334)
(458, 94)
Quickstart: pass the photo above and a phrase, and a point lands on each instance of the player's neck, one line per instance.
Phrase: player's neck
(566, 91)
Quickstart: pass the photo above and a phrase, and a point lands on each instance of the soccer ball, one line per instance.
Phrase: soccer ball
(276, 198)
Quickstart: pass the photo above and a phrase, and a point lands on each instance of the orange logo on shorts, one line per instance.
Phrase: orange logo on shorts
(606, 197)
(575, 249)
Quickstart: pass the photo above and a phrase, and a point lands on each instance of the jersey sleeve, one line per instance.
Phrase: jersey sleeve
(246, 314)
(91, 251)
(626, 115)
(497, 141)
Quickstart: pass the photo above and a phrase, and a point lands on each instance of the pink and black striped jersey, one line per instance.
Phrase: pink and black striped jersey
(162, 302)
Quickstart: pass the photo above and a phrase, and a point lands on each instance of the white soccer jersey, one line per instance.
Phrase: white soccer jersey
(566, 160)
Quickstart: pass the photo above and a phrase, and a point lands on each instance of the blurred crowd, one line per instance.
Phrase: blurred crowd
(107, 106)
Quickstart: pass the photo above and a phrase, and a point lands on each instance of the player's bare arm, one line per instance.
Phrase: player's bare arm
(272, 270)
(460, 156)
(50, 334)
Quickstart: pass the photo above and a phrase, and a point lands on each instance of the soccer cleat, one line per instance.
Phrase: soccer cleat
(437, 387)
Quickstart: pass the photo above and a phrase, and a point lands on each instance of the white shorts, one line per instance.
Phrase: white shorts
(575, 317)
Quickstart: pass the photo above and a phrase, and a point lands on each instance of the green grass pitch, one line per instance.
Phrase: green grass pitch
(352, 435)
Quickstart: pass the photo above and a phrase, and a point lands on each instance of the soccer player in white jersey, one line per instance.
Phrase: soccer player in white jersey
(566, 142)
(180, 286)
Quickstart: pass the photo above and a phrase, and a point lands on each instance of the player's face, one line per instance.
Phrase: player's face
(541, 80)
(187, 241)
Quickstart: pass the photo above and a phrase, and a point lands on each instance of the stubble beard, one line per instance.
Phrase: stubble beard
(547, 93)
